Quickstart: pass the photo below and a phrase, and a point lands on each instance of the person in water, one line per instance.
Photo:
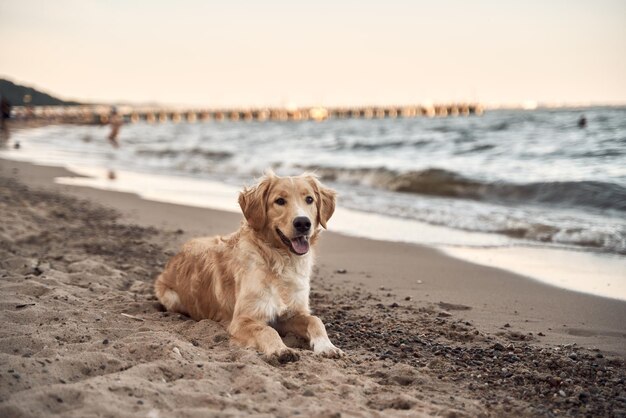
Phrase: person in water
(582, 122)
(115, 120)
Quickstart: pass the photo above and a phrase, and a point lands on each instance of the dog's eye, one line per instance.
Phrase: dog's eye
(308, 200)
(280, 201)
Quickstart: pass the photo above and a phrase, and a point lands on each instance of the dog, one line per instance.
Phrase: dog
(258, 278)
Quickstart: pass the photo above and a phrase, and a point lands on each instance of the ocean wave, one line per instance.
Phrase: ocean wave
(501, 126)
(609, 152)
(172, 153)
(375, 146)
(475, 149)
(613, 241)
(444, 183)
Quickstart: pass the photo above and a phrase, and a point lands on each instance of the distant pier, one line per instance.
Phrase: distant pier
(100, 114)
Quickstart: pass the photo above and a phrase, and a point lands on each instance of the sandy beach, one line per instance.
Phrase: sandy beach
(425, 334)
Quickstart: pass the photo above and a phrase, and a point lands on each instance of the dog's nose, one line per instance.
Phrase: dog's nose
(302, 224)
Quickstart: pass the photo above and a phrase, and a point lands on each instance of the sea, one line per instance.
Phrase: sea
(531, 181)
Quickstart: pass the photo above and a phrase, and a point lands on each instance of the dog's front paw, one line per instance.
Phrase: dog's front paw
(326, 349)
(283, 356)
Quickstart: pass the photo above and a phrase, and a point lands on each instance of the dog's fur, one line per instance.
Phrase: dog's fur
(255, 277)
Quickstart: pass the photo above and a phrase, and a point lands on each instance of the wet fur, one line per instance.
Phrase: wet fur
(251, 278)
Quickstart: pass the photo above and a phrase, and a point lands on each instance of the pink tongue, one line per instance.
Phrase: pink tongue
(300, 245)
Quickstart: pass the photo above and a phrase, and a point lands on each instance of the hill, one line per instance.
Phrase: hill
(15, 93)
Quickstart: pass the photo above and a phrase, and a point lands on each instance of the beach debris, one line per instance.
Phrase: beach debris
(176, 351)
(341, 271)
(136, 318)
(419, 282)
(444, 314)
(105, 341)
(23, 305)
(407, 298)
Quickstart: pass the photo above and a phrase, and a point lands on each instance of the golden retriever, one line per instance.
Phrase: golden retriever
(258, 277)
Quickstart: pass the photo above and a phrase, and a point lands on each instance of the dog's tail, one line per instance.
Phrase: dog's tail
(166, 295)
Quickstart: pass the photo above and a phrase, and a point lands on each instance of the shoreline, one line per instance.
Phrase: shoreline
(557, 265)
(422, 271)
(425, 334)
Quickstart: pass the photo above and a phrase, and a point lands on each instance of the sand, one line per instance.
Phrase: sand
(425, 334)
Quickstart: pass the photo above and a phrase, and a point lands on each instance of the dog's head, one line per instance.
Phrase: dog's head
(288, 211)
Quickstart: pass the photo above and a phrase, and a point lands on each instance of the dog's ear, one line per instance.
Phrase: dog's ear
(325, 200)
(253, 203)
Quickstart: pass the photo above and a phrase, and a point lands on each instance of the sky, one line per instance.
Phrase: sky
(277, 53)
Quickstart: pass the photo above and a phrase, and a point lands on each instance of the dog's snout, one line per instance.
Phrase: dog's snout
(302, 224)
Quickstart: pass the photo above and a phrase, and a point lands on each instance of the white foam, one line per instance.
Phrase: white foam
(170, 189)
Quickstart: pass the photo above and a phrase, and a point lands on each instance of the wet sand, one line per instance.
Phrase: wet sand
(424, 333)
